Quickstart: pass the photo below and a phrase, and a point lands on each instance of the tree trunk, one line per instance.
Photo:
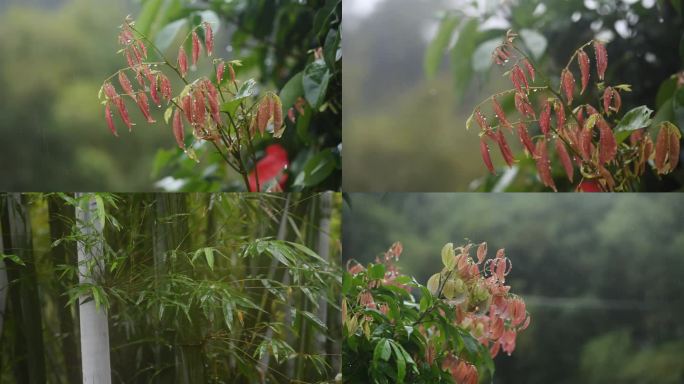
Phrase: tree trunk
(4, 286)
(59, 217)
(94, 328)
(171, 233)
(23, 298)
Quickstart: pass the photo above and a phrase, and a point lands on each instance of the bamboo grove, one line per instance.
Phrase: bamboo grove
(189, 288)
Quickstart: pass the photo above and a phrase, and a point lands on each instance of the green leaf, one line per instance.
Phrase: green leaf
(666, 91)
(401, 361)
(376, 271)
(315, 320)
(438, 45)
(247, 89)
(433, 283)
(636, 118)
(13, 258)
(482, 57)
(167, 35)
(448, 256)
(347, 281)
(330, 50)
(291, 91)
(382, 351)
(148, 13)
(167, 114)
(315, 82)
(316, 169)
(534, 41)
(209, 255)
(678, 106)
(461, 55)
(100, 210)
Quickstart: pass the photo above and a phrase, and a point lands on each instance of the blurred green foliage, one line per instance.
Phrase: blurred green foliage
(276, 43)
(588, 266)
(54, 136)
(421, 121)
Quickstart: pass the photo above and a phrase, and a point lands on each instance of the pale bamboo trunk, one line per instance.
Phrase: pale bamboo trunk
(94, 328)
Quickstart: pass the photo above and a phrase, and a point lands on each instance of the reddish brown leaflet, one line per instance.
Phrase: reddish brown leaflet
(601, 59)
(583, 61)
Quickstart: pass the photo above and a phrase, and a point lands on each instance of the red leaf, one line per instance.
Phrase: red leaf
(545, 118)
(607, 143)
(126, 85)
(611, 100)
(208, 38)
(521, 76)
(662, 149)
(219, 72)
(109, 91)
(607, 95)
(143, 48)
(263, 115)
(525, 138)
(481, 120)
(585, 144)
(186, 103)
(591, 185)
(277, 115)
(529, 67)
(129, 59)
(212, 96)
(110, 120)
(504, 148)
(178, 132)
(601, 59)
(182, 61)
(583, 60)
(153, 92)
(123, 112)
(500, 114)
(231, 70)
(568, 84)
(673, 153)
(165, 87)
(565, 159)
(196, 47)
(199, 110)
(523, 106)
(560, 114)
(484, 150)
(544, 165)
(144, 107)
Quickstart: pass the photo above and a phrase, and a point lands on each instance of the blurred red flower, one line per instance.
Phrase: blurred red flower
(271, 166)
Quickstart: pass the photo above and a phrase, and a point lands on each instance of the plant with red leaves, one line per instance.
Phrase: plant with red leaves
(591, 139)
(219, 111)
(465, 316)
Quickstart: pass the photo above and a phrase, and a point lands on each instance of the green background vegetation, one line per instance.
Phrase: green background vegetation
(52, 62)
(410, 126)
(54, 55)
(601, 274)
(199, 288)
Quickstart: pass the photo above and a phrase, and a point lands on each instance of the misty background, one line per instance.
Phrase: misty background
(601, 274)
(404, 132)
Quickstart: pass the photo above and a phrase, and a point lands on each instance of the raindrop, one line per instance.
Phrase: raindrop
(506, 61)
